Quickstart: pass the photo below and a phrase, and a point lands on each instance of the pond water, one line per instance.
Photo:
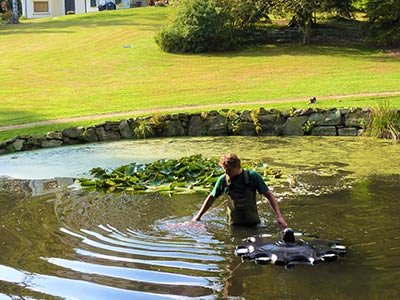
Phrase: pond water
(60, 242)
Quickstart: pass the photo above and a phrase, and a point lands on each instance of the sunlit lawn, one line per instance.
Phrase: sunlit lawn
(109, 62)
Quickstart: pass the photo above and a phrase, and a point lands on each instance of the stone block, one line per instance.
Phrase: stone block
(54, 135)
(112, 134)
(101, 133)
(73, 132)
(17, 145)
(294, 126)
(218, 126)
(126, 130)
(316, 117)
(90, 135)
(357, 117)
(332, 118)
(247, 129)
(245, 116)
(352, 131)
(51, 143)
(196, 126)
(173, 127)
(111, 126)
(324, 131)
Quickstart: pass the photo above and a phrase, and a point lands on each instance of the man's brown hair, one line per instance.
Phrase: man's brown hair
(229, 161)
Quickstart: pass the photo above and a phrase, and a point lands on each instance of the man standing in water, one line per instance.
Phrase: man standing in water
(240, 186)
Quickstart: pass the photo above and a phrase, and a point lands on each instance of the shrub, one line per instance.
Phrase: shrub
(196, 26)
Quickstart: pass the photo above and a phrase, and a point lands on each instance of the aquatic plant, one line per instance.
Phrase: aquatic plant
(384, 122)
(188, 174)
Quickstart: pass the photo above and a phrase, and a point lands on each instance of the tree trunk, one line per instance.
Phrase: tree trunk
(306, 30)
(15, 12)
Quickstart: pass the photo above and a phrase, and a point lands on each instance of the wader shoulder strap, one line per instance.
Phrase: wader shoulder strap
(246, 179)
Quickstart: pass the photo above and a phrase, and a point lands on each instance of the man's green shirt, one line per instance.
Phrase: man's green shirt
(238, 184)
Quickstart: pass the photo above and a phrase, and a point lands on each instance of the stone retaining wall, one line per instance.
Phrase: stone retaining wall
(330, 122)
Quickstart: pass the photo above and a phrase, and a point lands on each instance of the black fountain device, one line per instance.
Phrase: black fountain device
(285, 250)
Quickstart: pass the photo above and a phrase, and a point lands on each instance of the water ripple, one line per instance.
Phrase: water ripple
(136, 261)
(134, 248)
(161, 263)
(72, 289)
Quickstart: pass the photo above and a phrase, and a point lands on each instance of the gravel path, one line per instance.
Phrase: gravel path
(183, 108)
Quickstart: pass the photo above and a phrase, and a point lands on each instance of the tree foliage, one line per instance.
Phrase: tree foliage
(211, 25)
(384, 21)
(302, 12)
(245, 13)
(10, 10)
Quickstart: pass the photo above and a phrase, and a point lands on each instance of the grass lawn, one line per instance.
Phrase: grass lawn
(108, 61)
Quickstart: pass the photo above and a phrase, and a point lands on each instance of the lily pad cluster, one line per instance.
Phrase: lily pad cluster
(188, 174)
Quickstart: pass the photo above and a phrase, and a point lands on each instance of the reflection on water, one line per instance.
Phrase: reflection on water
(63, 243)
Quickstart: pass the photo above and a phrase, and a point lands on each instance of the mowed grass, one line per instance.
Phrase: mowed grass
(109, 62)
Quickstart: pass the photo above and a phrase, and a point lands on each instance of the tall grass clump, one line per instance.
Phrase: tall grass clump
(384, 122)
(142, 129)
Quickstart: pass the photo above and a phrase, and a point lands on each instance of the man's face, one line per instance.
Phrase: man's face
(231, 171)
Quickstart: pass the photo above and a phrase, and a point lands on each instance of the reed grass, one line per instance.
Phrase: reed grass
(385, 122)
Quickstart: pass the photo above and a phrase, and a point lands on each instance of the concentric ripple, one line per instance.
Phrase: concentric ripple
(154, 267)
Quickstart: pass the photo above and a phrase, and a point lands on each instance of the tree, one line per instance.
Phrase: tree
(15, 12)
(384, 21)
(301, 13)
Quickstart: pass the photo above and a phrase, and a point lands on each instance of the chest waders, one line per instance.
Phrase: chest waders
(242, 207)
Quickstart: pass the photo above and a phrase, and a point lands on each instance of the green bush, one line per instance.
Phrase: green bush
(196, 26)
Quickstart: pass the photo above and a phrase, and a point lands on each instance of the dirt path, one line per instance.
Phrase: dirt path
(188, 107)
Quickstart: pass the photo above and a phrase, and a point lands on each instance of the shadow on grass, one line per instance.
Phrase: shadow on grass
(345, 38)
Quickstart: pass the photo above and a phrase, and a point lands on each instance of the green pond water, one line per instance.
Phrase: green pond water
(60, 242)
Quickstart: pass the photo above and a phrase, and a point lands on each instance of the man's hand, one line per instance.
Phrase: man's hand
(282, 222)
(196, 218)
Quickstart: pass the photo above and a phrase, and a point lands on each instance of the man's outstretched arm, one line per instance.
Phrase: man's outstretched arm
(206, 205)
(274, 204)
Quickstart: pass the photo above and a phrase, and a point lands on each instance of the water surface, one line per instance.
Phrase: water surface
(59, 242)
